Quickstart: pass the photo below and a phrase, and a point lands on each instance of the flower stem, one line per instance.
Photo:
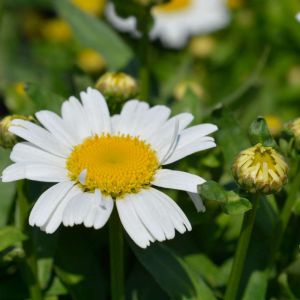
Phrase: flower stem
(144, 58)
(30, 271)
(116, 257)
(284, 217)
(241, 251)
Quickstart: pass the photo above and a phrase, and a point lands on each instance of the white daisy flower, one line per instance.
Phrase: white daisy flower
(97, 161)
(177, 20)
(298, 16)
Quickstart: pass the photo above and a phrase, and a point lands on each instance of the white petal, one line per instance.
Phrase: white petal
(197, 146)
(34, 171)
(56, 218)
(47, 203)
(132, 113)
(115, 120)
(197, 202)
(27, 152)
(192, 140)
(57, 127)
(148, 214)
(165, 138)
(178, 218)
(153, 216)
(155, 117)
(194, 133)
(39, 137)
(122, 24)
(76, 119)
(13, 172)
(103, 212)
(92, 209)
(96, 109)
(77, 209)
(177, 180)
(131, 222)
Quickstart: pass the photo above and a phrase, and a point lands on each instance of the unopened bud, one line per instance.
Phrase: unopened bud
(274, 123)
(90, 61)
(117, 86)
(260, 169)
(7, 139)
(188, 85)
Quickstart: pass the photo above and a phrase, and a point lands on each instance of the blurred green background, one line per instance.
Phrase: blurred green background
(50, 50)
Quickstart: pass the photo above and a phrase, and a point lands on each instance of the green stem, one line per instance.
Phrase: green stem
(284, 217)
(144, 73)
(116, 257)
(241, 251)
(30, 270)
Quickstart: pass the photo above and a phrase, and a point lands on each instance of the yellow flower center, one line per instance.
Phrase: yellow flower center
(173, 6)
(116, 165)
(264, 156)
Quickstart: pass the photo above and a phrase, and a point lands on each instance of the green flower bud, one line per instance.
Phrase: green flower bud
(117, 87)
(260, 169)
(7, 139)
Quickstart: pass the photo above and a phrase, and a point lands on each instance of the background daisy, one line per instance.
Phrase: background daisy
(177, 20)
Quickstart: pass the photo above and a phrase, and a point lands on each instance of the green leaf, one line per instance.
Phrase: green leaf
(212, 191)
(173, 275)
(230, 137)
(7, 189)
(56, 288)
(259, 133)
(43, 98)
(256, 287)
(10, 236)
(95, 34)
(202, 265)
(235, 204)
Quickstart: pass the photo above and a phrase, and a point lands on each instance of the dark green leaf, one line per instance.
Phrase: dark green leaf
(173, 275)
(212, 191)
(235, 204)
(95, 34)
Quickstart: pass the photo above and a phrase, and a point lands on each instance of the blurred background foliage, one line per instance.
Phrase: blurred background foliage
(50, 50)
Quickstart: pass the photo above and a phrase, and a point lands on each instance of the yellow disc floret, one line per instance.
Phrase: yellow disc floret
(116, 165)
(173, 6)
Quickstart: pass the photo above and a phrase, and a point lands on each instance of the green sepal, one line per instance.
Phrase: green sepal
(259, 133)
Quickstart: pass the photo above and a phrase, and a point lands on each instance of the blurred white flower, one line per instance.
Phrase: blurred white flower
(97, 161)
(177, 20)
(298, 16)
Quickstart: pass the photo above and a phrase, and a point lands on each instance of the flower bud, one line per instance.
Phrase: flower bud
(117, 86)
(92, 7)
(56, 31)
(260, 169)
(274, 123)
(184, 86)
(202, 46)
(294, 126)
(90, 61)
(7, 139)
